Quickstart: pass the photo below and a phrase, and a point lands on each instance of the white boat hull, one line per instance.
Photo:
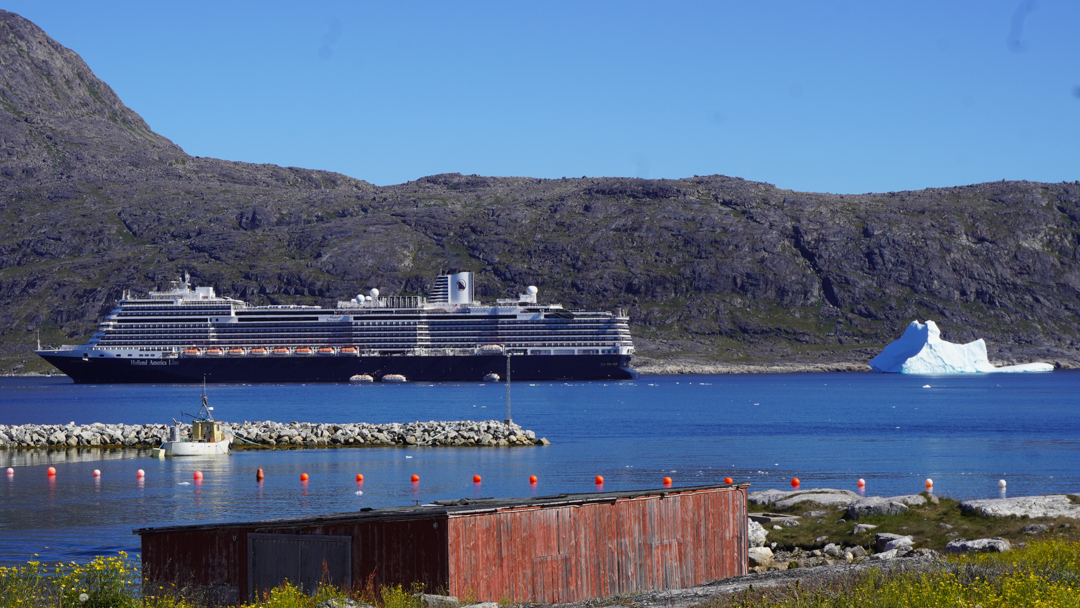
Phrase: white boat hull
(195, 448)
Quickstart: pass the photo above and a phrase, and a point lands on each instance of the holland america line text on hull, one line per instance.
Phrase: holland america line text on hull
(185, 334)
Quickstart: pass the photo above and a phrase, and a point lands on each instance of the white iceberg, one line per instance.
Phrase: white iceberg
(922, 351)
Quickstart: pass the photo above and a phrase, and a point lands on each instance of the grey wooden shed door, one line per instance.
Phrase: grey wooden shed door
(302, 559)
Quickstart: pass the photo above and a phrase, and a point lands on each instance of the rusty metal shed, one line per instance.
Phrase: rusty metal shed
(561, 548)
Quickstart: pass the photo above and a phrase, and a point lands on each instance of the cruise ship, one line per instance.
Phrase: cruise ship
(187, 334)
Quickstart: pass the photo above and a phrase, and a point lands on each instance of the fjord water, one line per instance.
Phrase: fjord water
(965, 432)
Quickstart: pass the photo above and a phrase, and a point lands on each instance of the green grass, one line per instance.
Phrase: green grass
(1046, 573)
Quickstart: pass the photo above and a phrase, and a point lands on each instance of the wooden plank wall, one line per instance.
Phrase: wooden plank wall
(578, 552)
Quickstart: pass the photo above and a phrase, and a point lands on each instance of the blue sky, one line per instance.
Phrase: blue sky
(843, 97)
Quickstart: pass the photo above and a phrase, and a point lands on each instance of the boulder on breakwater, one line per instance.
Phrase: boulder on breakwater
(277, 435)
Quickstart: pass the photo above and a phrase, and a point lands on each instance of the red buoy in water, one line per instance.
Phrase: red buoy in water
(861, 483)
(476, 479)
(303, 477)
(97, 473)
(259, 474)
(667, 481)
(599, 480)
(729, 480)
(415, 479)
(359, 478)
(140, 474)
(198, 475)
(794, 482)
(532, 479)
(51, 472)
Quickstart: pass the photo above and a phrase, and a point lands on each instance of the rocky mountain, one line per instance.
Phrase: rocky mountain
(713, 270)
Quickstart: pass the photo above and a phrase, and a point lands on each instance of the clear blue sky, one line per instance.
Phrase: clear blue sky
(843, 97)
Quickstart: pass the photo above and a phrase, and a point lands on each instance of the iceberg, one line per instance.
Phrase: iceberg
(922, 351)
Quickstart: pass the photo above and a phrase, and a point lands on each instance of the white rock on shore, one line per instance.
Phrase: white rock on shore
(1053, 505)
(274, 434)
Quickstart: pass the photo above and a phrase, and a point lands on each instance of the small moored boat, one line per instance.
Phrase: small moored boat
(208, 438)
(361, 378)
(393, 378)
(492, 377)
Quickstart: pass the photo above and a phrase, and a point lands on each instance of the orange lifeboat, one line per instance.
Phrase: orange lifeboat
(236, 352)
(348, 350)
(213, 352)
(258, 352)
(191, 352)
(281, 352)
(325, 351)
(303, 351)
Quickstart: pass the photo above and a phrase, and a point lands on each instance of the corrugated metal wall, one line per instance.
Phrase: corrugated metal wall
(576, 552)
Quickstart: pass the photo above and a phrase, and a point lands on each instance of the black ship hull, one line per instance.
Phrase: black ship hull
(116, 370)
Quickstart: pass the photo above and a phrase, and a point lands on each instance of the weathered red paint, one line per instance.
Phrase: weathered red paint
(549, 549)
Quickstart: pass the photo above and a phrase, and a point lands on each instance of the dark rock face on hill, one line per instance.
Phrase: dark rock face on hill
(711, 269)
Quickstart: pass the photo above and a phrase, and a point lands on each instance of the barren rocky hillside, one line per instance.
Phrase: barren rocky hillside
(712, 269)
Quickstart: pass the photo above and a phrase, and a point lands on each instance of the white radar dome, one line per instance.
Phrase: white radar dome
(374, 293)
(531, 290)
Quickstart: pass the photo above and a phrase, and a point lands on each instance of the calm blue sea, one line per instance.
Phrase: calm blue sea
(964, 432)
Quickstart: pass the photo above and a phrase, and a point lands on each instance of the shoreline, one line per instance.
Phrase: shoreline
(679, 367)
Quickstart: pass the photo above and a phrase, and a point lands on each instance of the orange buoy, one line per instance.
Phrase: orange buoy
(532, 478)
(303, 477)
(861, 483)
(359, 478)
(599, 480)
(259, 474)
(97, 473)
(729, 480)
(140, 473)
(476, 479)
(794, 482)
(51, 472)
(415, 479)
(10, 471)
(198, 476)
(667, 481)
(929, 483)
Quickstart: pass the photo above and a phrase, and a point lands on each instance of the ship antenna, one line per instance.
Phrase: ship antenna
(508, 419)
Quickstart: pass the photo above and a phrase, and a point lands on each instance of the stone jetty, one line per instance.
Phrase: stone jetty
(268, 434)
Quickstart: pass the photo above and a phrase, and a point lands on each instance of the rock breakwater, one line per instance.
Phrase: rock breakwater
(269, 434)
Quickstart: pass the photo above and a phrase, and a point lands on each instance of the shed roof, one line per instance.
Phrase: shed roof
(440, 508)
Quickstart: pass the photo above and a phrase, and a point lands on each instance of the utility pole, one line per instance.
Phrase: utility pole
(508, 419)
